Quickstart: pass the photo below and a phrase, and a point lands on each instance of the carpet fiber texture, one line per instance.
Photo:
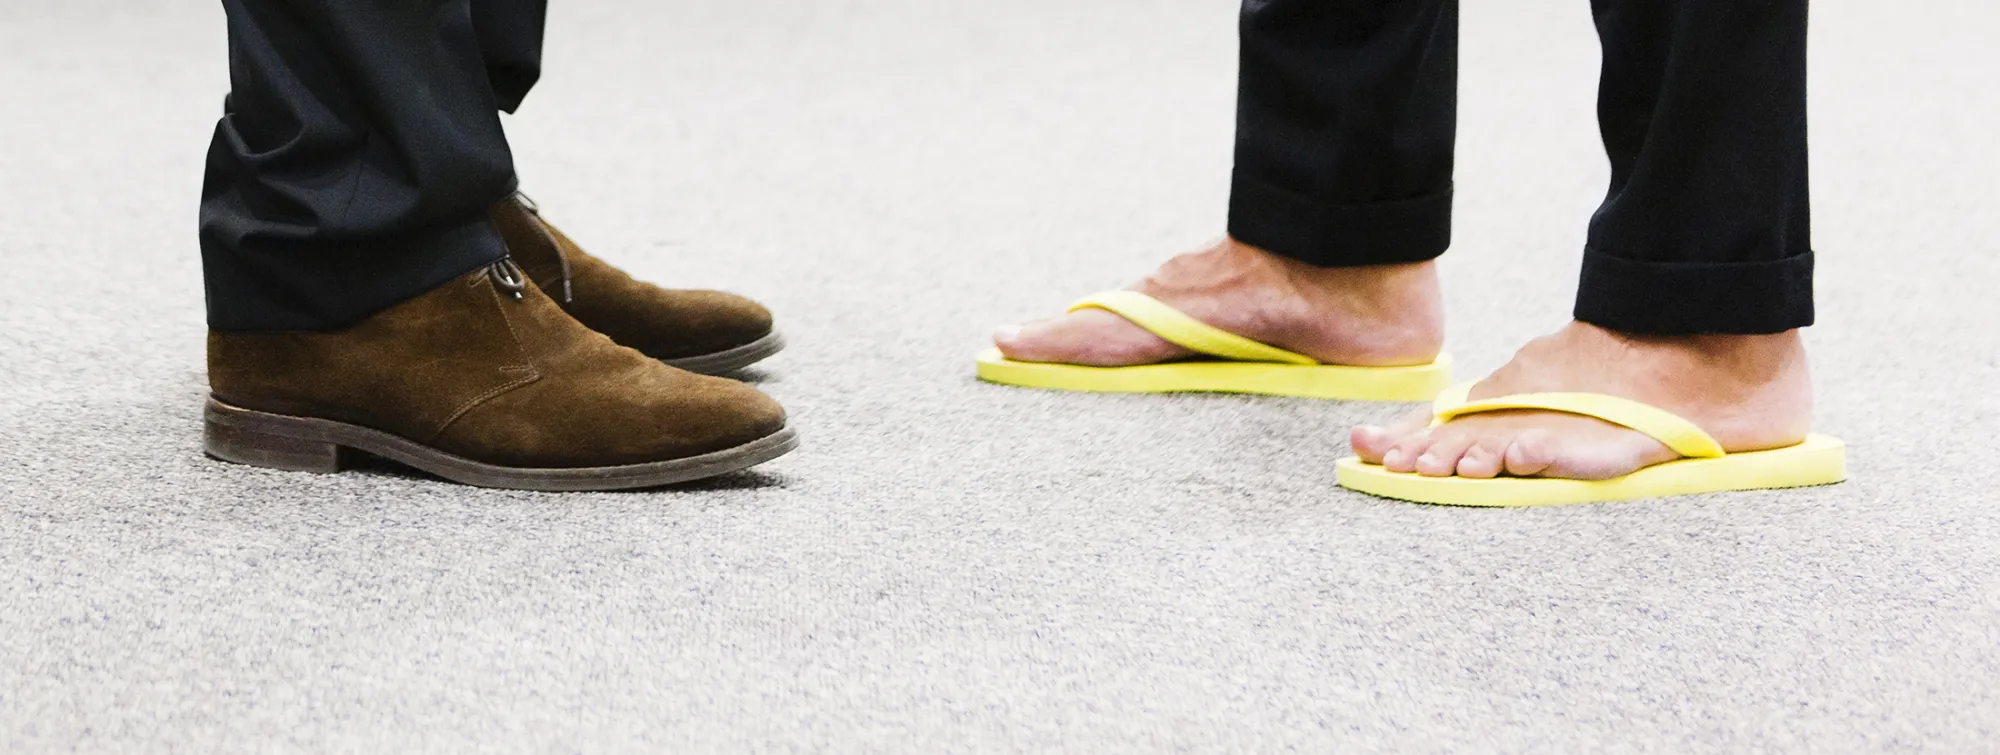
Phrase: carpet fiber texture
(951, 566)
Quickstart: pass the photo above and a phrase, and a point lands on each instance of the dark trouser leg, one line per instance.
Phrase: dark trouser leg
(1345, 119)
(359, 152)
(1706, 227)
(510, 39)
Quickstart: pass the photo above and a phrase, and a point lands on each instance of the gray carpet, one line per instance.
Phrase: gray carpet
(949, 566)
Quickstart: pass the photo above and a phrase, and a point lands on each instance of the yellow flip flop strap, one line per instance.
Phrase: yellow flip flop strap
(1184, 331)
(1666, 427)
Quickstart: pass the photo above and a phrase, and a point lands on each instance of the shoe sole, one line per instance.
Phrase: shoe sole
(1323, 381)
(730, 360)
(305, 444)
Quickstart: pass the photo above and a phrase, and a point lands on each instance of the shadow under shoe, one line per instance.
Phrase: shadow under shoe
(710, 332)
(483, 381)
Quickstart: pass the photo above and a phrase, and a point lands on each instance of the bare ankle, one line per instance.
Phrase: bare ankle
(1723, 345)
(1749, 357)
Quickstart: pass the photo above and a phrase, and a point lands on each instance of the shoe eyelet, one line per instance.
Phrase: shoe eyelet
(508, 278)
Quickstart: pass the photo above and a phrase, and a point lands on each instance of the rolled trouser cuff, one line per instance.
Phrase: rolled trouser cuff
(1338, 235)
(1691, 298)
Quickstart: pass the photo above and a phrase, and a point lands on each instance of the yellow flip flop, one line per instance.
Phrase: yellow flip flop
(1706, 468)
(1238, 364)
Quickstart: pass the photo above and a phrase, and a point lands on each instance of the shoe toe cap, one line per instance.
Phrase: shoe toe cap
(714, 321)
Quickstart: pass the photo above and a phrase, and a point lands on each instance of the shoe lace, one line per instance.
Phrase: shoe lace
(508, 277)
(562, 260)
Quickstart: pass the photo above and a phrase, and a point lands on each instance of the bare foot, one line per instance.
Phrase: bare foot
(1749, 392)
(1363, 316)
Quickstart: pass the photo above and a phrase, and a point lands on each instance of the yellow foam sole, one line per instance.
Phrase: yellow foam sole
(1418, 383)
(1819, 460)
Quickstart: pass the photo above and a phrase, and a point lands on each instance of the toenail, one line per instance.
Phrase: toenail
(1426, 459)
(1393, 458)
(1006, 332)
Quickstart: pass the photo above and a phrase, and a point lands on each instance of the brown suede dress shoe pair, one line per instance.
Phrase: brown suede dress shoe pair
(489, 381)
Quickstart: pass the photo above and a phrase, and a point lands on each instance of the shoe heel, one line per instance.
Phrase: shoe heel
(242, 446)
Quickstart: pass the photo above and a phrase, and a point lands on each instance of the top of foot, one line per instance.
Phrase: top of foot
(1749, 392)
(1362, 316)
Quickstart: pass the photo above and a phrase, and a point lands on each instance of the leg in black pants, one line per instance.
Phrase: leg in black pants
(364, 295)
(1345, 117)
(510, 40)
(1344, 139)
(1706, 228)
(359, 154)
(1698, 271)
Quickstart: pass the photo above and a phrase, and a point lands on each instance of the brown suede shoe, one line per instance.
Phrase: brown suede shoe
(483, 381)
(710, 332)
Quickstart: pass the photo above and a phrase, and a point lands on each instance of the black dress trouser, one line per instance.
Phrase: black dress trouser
(358, 153)
(1344, 132)
(361, 148)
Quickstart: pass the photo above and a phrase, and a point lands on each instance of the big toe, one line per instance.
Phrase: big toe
(1088, 337)
(1373, 442)
(1594, 451)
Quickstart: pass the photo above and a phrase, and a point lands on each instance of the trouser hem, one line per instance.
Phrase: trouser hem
(1691, 298)
(1336, 235)
(333, 286)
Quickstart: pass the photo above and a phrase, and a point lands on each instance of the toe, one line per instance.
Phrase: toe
(1008, 339)
(1373, 442)
(1484, 459)
(1090, 337)
(1402, 457)
(1027, 343)
(1603, 451)
(1370, 442)
(1441, 458)
(1529, 454)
